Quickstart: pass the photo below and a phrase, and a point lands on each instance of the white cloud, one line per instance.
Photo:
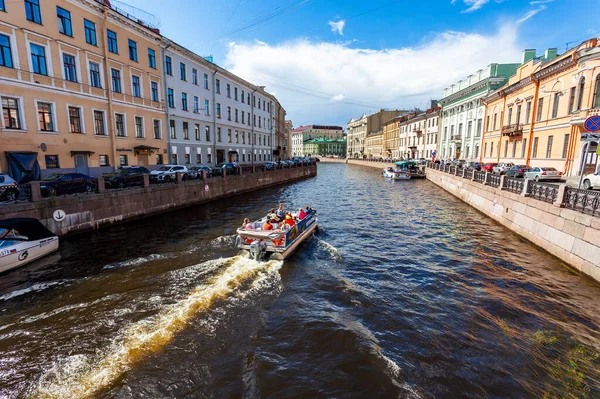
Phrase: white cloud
(309, 75)
(530, 14)
(337, 27)
(536, 2)
(473, 5)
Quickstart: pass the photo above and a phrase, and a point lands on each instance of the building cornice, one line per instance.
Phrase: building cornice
(482, 84)
(555, 68)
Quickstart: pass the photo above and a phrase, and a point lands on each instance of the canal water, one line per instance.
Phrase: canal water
(405, 293)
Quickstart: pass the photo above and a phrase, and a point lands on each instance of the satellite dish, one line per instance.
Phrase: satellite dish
(43, 147)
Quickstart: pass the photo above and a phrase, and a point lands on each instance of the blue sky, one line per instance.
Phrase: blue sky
(327, 61)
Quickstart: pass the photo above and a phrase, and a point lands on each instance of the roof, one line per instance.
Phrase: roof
(318, 140)
(32, 228)
(322, 127)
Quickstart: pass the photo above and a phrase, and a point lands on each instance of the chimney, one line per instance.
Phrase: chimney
(550, 54)
(528, 55)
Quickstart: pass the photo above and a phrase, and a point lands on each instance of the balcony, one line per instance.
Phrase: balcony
(418, 131)
(512, 130)
(456, 137)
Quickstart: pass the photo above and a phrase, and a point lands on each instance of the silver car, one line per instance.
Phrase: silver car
(543, 173)
(502, 168)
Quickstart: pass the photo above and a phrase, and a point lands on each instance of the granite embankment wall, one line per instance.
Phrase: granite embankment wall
(571, 236)
(371, 164)
(94, 211)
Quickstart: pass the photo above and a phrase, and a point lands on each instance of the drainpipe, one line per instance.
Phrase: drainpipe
(107, 77)
(252, 124)
(167, 131)
(214, 118)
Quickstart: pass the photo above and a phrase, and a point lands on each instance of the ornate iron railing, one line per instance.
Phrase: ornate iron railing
(468, 173)
(452, 169)
(513, 185)
(585, 201)
(493, 180)
(479, 176)
(15, 193)
(543, 192)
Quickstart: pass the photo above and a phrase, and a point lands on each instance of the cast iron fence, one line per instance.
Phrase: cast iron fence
(493, 180)
(513, 185)
(468, 174)
(543, 192)
(479, 176)
(586, 201)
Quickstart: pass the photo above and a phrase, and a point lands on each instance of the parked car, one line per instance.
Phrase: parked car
(270, 165)
(126, 176)
(66, 183)
(167, 173)
(517, 171)
(502, 167)
(459, 163)
(543, 173)
(228, 167)
(470, 165)
(488, 167)
(9, 189)
(592, 181)
(195, 172)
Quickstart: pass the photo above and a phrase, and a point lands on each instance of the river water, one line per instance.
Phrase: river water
(406, 292)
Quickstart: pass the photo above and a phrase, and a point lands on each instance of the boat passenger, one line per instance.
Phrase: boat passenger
(268, 225)
(301, 214)
(280, 212)
(247, 225)
(288, 220)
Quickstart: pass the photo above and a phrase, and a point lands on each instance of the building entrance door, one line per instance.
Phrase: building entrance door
(143, 160)
(220, 156)
(81, 164)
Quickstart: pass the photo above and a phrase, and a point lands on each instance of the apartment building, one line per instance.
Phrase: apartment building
(537, 117)
(304, 133)
(391, 137)
(463, 111)
(374, 145)
(289, 126)
(358, 129)
(322, 146)
(80, 88)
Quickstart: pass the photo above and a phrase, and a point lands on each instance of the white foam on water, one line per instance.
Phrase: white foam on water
(35, 287)
(139, 261)
(333, 251)
(394, 371)
(77, 377)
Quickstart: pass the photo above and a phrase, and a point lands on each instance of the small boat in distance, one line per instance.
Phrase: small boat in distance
(279, 243)
(396, 174)
(24, 240)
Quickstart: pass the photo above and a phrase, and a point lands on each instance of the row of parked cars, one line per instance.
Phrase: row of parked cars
(537, 173)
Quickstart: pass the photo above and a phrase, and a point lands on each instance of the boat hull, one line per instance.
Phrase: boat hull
(401, 175)
(26, 252)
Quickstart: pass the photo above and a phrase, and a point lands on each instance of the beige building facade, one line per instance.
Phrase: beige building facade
(375, 145)
(81, 87)
(359, 129)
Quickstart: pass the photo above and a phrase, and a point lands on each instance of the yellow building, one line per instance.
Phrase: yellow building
(537, 117)
(80, 87)
(391, 138)
(374, 145)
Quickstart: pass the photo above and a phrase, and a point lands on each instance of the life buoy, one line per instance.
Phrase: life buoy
(279, 242)
(248, 240)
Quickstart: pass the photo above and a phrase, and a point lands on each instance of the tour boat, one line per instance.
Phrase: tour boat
(279, 243)
(24, 240)
(396, 174)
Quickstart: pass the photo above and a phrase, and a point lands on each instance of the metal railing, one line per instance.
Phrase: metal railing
(513, 185)
(479, 176)
(585, 201)
(493, 180)
(468, 173)
(15, 193)
(543, 192)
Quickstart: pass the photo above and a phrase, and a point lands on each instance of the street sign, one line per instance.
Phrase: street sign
(592, 124)
(433, 153)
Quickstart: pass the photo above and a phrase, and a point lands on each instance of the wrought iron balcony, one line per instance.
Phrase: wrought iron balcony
(512, 130)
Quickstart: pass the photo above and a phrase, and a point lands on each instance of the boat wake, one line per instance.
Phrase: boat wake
(333, 251)
(33, 288)
(139, 261)
(83, 376)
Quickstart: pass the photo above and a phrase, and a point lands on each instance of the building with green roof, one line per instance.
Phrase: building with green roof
(322, 146)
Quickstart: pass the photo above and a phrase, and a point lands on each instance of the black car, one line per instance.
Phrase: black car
(126, 176)
(195, 172)
(517, 171)
(66, 183)
(228, 167)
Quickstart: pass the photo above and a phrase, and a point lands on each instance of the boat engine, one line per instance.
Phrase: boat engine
(257, 250)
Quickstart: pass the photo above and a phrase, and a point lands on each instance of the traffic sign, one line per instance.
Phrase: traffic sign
(592, 124)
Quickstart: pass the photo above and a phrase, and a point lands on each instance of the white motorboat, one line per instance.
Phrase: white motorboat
(396, 174)
(279, 243)
(24, 240)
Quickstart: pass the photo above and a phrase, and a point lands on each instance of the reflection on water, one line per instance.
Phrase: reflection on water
(406, 292)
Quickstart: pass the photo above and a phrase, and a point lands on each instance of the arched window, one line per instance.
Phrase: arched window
(596, 102)
(580, 97)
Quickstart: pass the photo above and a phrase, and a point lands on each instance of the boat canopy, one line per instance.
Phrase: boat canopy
(32, 228)
(405, 164)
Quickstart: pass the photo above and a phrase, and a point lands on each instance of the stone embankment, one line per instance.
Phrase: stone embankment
(79, 213)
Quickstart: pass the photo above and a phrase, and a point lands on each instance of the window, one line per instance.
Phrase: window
(186, 131)
(538, 116)
(555, 105)
(113, 45)
(248, 98)
(580, 97)
(95, 75)
(116, 80)
(151, 58)
(159, 159)
(186, 158)
(243, 138)
(206, 81)
(120, 125)
(207, 132)
(11, 114)
(206, 107)
(174, 159)
(154, 91)
(236, 116)
(549, 147)
(518, 119)
(99, 129)
(133, 50)
(156, 128)
(535, 147)
(194, 76)
(479, 126)
(235, 93)
(103, 159)
(169, 66)
(123, 160)
(51, 161)
(514, 148)
(90, 32)
(487, 125)
(495, 117)
(229, 135)
(135, 86)
(32, 11)
(170, 98)
(510, 111)
(596, 102)
(45, 117)
(523, 148)
(217, 86)
(182, 71)
(198, 158)
(64, 21)
(196, 104)
(172, 131)
(228, 113)
(139, 127)
(565, 146)
(484, 150)
(219, 134)
(184, 103)
(69, 67)
(505, 148)
(218, 110)
(528, 112)
(2, 6)
(469, 129)
(572, 99)
(38, 59)
(197, 131)
(242, 96)
(243, 116)
(491, 148)
(5, 52)
(75, 120)
(228, 90)
(237, 137)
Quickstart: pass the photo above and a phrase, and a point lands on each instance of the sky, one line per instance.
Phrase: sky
(328, 61)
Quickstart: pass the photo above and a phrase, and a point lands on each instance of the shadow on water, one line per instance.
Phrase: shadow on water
(406, 292)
